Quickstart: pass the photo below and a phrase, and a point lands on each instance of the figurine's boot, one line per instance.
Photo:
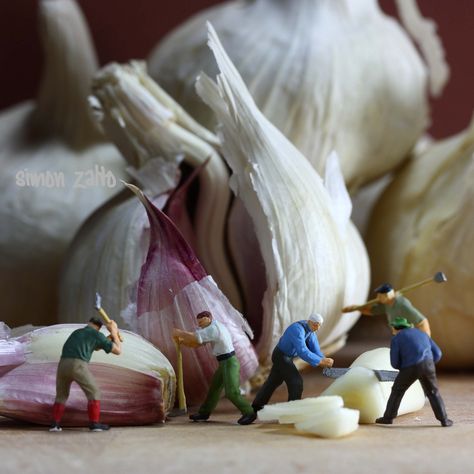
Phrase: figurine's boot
(58, 411)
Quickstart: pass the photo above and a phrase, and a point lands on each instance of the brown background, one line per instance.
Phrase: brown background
(125, 29)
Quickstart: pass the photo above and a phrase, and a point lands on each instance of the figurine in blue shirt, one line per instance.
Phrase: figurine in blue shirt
(298, 340)
(415, 354)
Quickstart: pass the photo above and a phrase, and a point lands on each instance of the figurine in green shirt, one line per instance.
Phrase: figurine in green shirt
(393, 305)
(73, 367)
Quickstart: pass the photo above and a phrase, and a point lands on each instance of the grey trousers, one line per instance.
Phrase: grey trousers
(75, 370)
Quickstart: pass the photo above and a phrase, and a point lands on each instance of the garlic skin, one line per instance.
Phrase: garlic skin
(51, 141)
(302, 62)
(431, 202)
(137, 387)
(293, 214)
(361, 389)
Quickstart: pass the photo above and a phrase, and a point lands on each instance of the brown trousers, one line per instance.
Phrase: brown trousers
(75, 370)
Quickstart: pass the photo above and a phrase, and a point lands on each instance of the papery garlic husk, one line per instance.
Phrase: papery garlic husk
(145, 123)
(173, 288)
(424, 223)
(298, 223)
(51, 142)
(330, 74)
(137, 387)
(362, 391)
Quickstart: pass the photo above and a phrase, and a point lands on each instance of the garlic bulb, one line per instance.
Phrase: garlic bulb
(329, 74)
(137, 387)
(55, 169)
(424, 223)
(301, 231)
(361, 390)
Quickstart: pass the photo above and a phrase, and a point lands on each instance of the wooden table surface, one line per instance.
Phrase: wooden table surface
(414, 444)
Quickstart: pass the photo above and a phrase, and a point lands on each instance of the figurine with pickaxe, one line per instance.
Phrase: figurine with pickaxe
(395, 305)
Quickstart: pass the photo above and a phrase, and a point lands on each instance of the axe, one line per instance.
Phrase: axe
(382, 375)
(101, 311)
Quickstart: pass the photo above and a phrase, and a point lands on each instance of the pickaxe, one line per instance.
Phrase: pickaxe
(438, 277)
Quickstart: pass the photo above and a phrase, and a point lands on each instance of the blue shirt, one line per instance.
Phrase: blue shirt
(299, 340)
(412, 346)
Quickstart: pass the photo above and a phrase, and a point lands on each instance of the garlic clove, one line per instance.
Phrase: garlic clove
(173, 288)
(295, 408)
(137, 387)
(334, 423)
(361, 390)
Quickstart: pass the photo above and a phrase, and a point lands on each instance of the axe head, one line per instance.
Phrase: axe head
(440, 277)
(98, 301)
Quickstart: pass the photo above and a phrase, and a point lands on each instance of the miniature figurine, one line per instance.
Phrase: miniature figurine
(73, 367)
(299, 339)
(394, 305)
(415, 354)
(227, 375)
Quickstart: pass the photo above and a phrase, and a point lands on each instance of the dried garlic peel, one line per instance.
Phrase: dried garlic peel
(300, 241)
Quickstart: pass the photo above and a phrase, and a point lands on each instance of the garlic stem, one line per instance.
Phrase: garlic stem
(69, 64)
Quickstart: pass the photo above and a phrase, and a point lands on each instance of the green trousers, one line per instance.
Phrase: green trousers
(227, 376)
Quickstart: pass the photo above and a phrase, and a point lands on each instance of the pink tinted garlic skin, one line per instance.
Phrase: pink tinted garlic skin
(173, 289)
(127, 397)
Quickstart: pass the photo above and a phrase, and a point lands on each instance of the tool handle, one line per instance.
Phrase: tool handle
(181, 394)
(106, 318)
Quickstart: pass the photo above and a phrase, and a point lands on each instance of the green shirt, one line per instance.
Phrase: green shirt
(83, 342)
(401, 308)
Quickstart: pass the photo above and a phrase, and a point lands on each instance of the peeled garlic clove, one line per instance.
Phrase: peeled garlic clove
(276, 411)
(56, 169)
(361, 389)
(173, 288)
(333, 423)
(302, 61)
(312, 411)
(301, 244)
(431, 202)
(137, 387)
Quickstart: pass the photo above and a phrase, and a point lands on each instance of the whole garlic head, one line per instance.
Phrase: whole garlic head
(330, 74)
(55, 169)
